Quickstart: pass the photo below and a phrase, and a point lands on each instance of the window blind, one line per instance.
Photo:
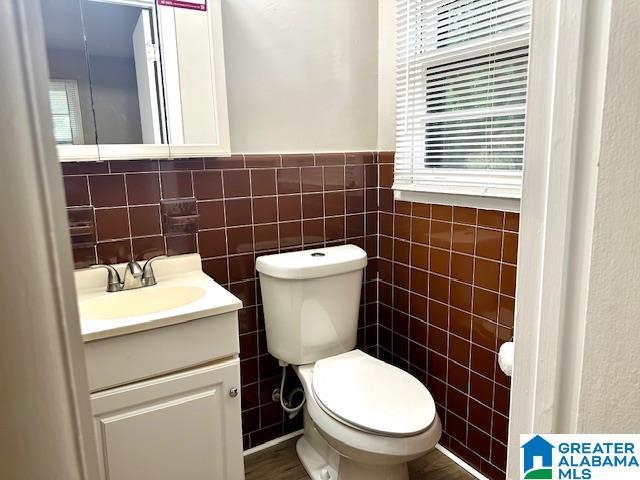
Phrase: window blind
(461, 86)
(65, 112)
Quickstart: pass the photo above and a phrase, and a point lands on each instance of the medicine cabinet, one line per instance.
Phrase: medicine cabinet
(136, 78)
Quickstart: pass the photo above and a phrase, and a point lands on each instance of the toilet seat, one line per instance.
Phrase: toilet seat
(356, 444)
(373, 396)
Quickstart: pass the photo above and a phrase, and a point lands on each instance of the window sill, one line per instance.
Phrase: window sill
(508, 204)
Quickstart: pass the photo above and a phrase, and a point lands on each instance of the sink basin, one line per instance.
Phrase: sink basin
(141, 301)
(184, 293)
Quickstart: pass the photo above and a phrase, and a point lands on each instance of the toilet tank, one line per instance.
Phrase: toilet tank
(311, 300)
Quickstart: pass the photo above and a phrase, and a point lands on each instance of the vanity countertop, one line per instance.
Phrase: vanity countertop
(180, 280)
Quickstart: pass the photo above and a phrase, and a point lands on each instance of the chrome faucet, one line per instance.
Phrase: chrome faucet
(134, 275)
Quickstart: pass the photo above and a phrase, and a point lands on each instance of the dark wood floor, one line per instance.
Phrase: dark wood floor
(281, 462)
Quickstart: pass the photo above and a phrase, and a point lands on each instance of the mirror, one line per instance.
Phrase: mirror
(136, 79)
(126, 82)
(69, 86)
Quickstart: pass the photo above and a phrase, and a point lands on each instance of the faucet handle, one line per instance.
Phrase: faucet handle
(113, 279)
(148, 277)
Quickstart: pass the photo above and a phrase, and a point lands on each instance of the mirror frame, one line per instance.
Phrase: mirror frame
(100, 152)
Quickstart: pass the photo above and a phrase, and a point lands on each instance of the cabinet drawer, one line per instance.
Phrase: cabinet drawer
(129, 358)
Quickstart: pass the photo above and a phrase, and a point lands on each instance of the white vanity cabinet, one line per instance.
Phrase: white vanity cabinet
(181, 426)
(164, 380)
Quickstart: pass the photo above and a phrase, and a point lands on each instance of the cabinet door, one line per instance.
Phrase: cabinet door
(194, 79)
(183, 426)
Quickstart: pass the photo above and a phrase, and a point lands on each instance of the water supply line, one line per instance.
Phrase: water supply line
(286, 405)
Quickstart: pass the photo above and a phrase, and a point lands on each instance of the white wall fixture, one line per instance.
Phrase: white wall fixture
(505, 358)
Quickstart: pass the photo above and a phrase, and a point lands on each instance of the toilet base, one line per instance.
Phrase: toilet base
(325, 457)
(323, 462)
(317, 457)
(316, 466)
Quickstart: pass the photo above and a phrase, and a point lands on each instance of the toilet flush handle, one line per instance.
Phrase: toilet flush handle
(233, 393)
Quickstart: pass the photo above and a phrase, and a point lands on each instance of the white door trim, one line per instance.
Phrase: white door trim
(45, 414)
(566, 92)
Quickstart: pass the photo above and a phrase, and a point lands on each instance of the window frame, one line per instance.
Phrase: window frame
(73, 100)
(484, 188)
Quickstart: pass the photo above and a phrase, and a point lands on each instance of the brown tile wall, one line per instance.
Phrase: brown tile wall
(438, 297)
(446, 303)
(249, 205)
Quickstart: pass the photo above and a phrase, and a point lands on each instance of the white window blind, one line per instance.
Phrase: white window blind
(461, 86)
(65, 112)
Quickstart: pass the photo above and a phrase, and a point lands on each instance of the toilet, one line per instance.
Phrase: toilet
(363, 418)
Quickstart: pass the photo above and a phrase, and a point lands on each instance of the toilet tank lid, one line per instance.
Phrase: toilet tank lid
(316, 263)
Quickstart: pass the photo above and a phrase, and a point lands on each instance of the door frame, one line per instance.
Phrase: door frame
(47, 429)
(567, 77)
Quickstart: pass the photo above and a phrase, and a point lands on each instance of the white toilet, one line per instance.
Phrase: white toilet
(363, 418)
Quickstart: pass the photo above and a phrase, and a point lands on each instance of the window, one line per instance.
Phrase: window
(65, 110)
(461, 85)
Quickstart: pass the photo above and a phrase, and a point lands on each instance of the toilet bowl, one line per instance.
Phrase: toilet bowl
(375, 439)
(363, 418)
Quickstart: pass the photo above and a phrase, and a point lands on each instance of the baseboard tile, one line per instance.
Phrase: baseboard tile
(273, 442)
(461, 462)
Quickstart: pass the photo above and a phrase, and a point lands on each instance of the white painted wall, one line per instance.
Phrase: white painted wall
(386, 75)
(610, 380)
(302, 75)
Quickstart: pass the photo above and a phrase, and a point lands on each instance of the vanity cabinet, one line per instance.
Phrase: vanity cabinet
(180, 426)
(164, 376)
